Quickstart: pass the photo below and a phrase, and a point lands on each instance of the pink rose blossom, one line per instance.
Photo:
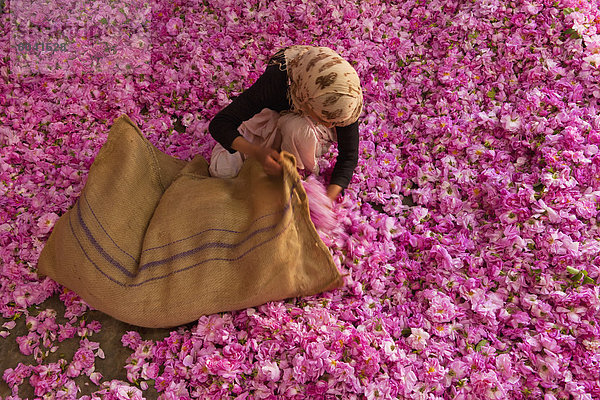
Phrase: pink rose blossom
(174, 26)
(441, 308)
(46, 222)
(271, 371)
(418, 338)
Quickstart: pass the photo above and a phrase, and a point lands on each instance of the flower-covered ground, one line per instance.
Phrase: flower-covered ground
(472, 247)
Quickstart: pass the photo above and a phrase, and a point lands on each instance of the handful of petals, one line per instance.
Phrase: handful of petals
(321, 212)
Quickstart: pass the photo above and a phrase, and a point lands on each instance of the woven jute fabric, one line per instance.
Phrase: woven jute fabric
(156, 242)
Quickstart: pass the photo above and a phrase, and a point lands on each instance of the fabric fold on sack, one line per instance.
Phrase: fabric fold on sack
(156, 242)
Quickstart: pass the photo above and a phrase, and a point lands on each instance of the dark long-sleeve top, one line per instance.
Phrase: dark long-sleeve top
(269, 91)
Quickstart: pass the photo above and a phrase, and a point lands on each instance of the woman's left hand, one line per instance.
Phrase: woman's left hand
(333, 191)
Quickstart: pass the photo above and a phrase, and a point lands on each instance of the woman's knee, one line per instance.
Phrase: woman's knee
(224, 164)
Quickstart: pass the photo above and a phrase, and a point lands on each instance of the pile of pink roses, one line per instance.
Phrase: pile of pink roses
(471, 227)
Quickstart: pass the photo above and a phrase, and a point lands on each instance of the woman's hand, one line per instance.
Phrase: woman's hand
(333, 191)
(269, 159)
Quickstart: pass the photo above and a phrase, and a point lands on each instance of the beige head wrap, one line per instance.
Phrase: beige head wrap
(324, 81)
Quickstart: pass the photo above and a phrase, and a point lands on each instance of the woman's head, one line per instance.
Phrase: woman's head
(323, 83)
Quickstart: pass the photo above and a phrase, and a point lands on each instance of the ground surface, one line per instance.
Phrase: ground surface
(110, 338)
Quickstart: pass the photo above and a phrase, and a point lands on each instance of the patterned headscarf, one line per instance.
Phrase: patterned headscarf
(324, 81)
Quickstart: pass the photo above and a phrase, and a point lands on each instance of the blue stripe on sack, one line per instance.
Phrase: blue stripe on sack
(216, 229)
(214, 259)
(222, 245)
(104, 230)
(115, 263)
(88, 257)
(179, 270)
(184, 239)
(205, 246)
(97, 246)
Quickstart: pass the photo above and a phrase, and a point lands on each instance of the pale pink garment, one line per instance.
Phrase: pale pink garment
(299, 136)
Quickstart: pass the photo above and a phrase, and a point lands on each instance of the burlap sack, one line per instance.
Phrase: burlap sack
(156, 242)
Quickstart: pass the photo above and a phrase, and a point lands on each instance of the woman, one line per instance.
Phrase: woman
(321, 93)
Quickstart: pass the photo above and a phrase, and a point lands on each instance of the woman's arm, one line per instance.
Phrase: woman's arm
(347, 159)
(269, 91)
